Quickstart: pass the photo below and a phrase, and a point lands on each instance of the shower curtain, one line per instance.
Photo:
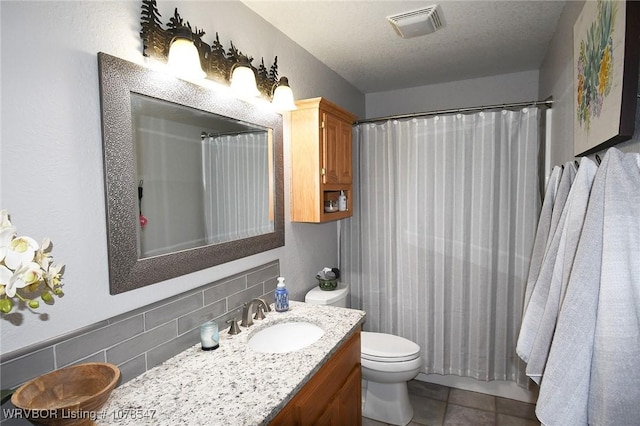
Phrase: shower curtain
(236, 185)
(438, 249)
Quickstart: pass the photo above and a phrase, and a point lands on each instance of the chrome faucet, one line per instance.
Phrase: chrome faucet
(247, 311)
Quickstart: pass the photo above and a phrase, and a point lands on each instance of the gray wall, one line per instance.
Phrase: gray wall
(51, 175)
(499, 89)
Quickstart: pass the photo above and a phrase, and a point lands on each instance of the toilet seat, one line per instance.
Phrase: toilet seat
(382, 347)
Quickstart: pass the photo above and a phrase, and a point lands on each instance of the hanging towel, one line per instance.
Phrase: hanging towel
(539, 290)
(542, 232)
(554, 278)
(614, 396)
(592, 378)
(564, 391)
(568, 174)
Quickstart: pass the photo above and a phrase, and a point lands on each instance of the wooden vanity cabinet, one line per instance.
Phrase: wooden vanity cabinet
(333, 396)
(321, 160)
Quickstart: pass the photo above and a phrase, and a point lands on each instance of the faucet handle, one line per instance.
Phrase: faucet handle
(259, 313)
(234, 329)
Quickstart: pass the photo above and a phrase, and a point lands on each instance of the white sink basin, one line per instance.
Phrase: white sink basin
(285, 337)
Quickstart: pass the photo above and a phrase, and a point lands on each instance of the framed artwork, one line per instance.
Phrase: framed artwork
(606, 42)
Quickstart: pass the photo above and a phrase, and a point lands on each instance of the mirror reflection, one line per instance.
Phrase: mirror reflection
(202, 178)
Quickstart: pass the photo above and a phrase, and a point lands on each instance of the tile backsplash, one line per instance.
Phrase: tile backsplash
(141, 339)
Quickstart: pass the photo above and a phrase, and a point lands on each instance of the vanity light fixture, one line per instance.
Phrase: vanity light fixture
(215, 62)
(243, 79)
(283, 99)
(183, 57)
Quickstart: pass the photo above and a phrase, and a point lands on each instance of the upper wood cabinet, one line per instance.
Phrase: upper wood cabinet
(321, 161)
(336, 157)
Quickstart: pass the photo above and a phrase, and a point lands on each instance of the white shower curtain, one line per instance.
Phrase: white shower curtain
(439, 246)
(236, 186)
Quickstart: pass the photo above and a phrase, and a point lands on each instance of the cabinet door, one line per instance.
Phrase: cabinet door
(346, 408)
(332, 396)
(286, 417)
(336, 141)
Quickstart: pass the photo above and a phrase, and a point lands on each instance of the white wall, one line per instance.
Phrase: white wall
(51, 174)
(499, 89)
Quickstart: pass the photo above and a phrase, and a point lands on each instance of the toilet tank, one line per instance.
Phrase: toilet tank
(337, 297)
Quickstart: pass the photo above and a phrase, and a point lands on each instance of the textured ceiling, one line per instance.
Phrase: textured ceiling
(479, 39)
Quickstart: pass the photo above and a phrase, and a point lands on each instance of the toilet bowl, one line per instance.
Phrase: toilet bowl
(388, 363)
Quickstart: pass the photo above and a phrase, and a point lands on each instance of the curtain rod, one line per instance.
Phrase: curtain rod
(546, 103)
(239, 132)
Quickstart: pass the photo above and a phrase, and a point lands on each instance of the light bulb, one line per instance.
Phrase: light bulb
(243, 82)
(283, 96)
(184, 60)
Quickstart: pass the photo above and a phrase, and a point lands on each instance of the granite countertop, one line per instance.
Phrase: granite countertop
(234, 384)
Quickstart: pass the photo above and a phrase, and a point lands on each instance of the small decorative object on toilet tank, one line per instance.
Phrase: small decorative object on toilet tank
(282, 296)
(328, 278)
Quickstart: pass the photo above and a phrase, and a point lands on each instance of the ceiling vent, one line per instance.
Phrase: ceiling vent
(417, 22)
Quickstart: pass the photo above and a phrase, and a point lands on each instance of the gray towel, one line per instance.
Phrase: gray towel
(554, 276)
(568, 174)
(542, 232)
(539, 288)
(614, 396)
(591, 375)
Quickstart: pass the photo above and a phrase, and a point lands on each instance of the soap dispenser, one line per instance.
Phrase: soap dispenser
(342, 202)
(282, 296)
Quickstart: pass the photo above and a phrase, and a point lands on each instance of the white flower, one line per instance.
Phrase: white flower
(31, 273)
(24, 263)
(53, 275)
(42, 255)
(21, 251)
(7, 232)
(4, 219)
(5, 277)
(46, 246)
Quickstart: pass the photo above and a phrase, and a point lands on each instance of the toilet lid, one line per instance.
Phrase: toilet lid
(387, 347)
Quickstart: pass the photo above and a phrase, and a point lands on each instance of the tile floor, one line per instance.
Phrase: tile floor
(436, 405)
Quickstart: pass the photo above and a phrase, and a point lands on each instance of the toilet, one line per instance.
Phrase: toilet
(388, 363)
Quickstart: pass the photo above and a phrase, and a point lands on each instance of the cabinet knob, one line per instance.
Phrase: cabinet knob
(322, 171)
